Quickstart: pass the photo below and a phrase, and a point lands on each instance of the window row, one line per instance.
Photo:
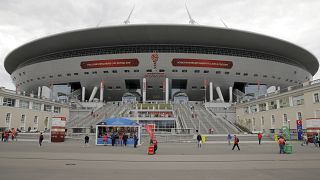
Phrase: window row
(26, 105)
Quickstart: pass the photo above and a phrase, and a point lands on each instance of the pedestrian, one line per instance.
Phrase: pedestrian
(305, 139)
(229, 138)
(120, 138)
(40, 139)
(135, 140)
(5, 136)
(86, 140)
(2, 135)
(315, 140)
(259, 138)
(281, 143)
(105, 139)
(113, 138)
(199, 139)
(125, 139)
(236, 142)
(155, 145)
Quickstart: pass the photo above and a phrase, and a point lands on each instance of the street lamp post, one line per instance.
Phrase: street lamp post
(289, 129)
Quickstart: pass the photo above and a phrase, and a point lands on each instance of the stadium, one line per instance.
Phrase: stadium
(194, 59)
(180, 78)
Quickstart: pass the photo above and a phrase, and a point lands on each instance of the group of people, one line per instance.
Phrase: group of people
(116, 138)
(6, 135)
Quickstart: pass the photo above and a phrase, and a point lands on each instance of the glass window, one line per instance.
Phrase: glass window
(94, 72)
(24, 104)
(284, 102)
(184, 70)
(174, 70)
(149, 70)
(218, 72)
(9, 102)
(136, 70)
(298, 100)
(86, 72)
(76, 74)
(262, 107)
(23, 118)
(8, 119)
(36, 106)
(272, 105)
(226, 72)
(205, 71)
(285, 119)
(245, 74)
(316, 97)
(47, 108)
(299, 116)
(35, 120)
(196, 71)
(68, 74)
(238, 74)
(114, 71)
(57, 109)
(126, 71)
(161, 70)
(105, 72)
(253, 108)
(273, 120)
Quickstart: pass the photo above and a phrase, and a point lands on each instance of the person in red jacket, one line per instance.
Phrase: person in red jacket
(236, 142)
(259, 137)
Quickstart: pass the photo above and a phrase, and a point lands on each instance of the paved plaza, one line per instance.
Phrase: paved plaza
(72, 160)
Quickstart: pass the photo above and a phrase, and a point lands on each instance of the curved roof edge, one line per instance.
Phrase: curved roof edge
(160, 34)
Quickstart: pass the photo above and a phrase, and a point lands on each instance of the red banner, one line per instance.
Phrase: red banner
(149, 129)
(109, 63)
(206, 63)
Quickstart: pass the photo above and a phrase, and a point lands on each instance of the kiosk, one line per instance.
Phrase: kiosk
(118, 127)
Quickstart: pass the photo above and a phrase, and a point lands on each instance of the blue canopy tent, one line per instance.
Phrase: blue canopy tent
(117, 126)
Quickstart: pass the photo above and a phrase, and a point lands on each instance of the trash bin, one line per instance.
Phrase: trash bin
(151, 150)
(288, 149)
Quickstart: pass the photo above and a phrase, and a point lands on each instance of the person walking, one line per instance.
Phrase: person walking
(259, 138)
(2, 135)
(315, 140)
(86, 140)
(281, 143)
(236, 142)
(40, 139)
(229, 138)
(113, 138)
(305, 139)
(199, 139)
(105, 139)
(135, 140)
(125, 139)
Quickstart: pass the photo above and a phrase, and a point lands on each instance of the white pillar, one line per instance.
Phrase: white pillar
(144, 90)
(94, 91)
(230, 94)
(211, 91)
(17, 103)
(219, 93)
(39, 92)
(83, 93)
(167, 90)
(101, 91)
(1, 100)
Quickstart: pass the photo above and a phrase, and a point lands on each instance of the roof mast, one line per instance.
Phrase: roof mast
(127, 21)
(191, 21)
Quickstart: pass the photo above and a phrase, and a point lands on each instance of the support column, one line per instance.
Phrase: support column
(144, 90)
(101, 91)
(83, 94)
(230, 94)
(94, 91)
(1, 100)
(167, 90)
(211, 91)
(39, 92)
(219, 93)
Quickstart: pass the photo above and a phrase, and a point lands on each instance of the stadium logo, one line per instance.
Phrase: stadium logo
(154, 58)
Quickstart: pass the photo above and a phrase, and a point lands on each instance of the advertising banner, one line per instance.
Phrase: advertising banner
(299, 129)
(109, 63)
(205, 63)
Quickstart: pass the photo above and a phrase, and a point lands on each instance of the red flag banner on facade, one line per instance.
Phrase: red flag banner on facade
(149, 129)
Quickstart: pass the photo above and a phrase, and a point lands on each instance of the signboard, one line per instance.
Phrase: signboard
(58, 125)
(313, 123)
(109, 63)
(205, 63)
(299, 129)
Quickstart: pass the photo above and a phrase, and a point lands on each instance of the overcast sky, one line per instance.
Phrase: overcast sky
(296, 21)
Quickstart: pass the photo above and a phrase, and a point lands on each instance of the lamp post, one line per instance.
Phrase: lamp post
(289, 129)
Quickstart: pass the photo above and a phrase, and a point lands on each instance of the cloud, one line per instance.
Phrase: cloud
(21, 21)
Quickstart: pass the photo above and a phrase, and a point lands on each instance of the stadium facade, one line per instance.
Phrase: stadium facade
(157, 62)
